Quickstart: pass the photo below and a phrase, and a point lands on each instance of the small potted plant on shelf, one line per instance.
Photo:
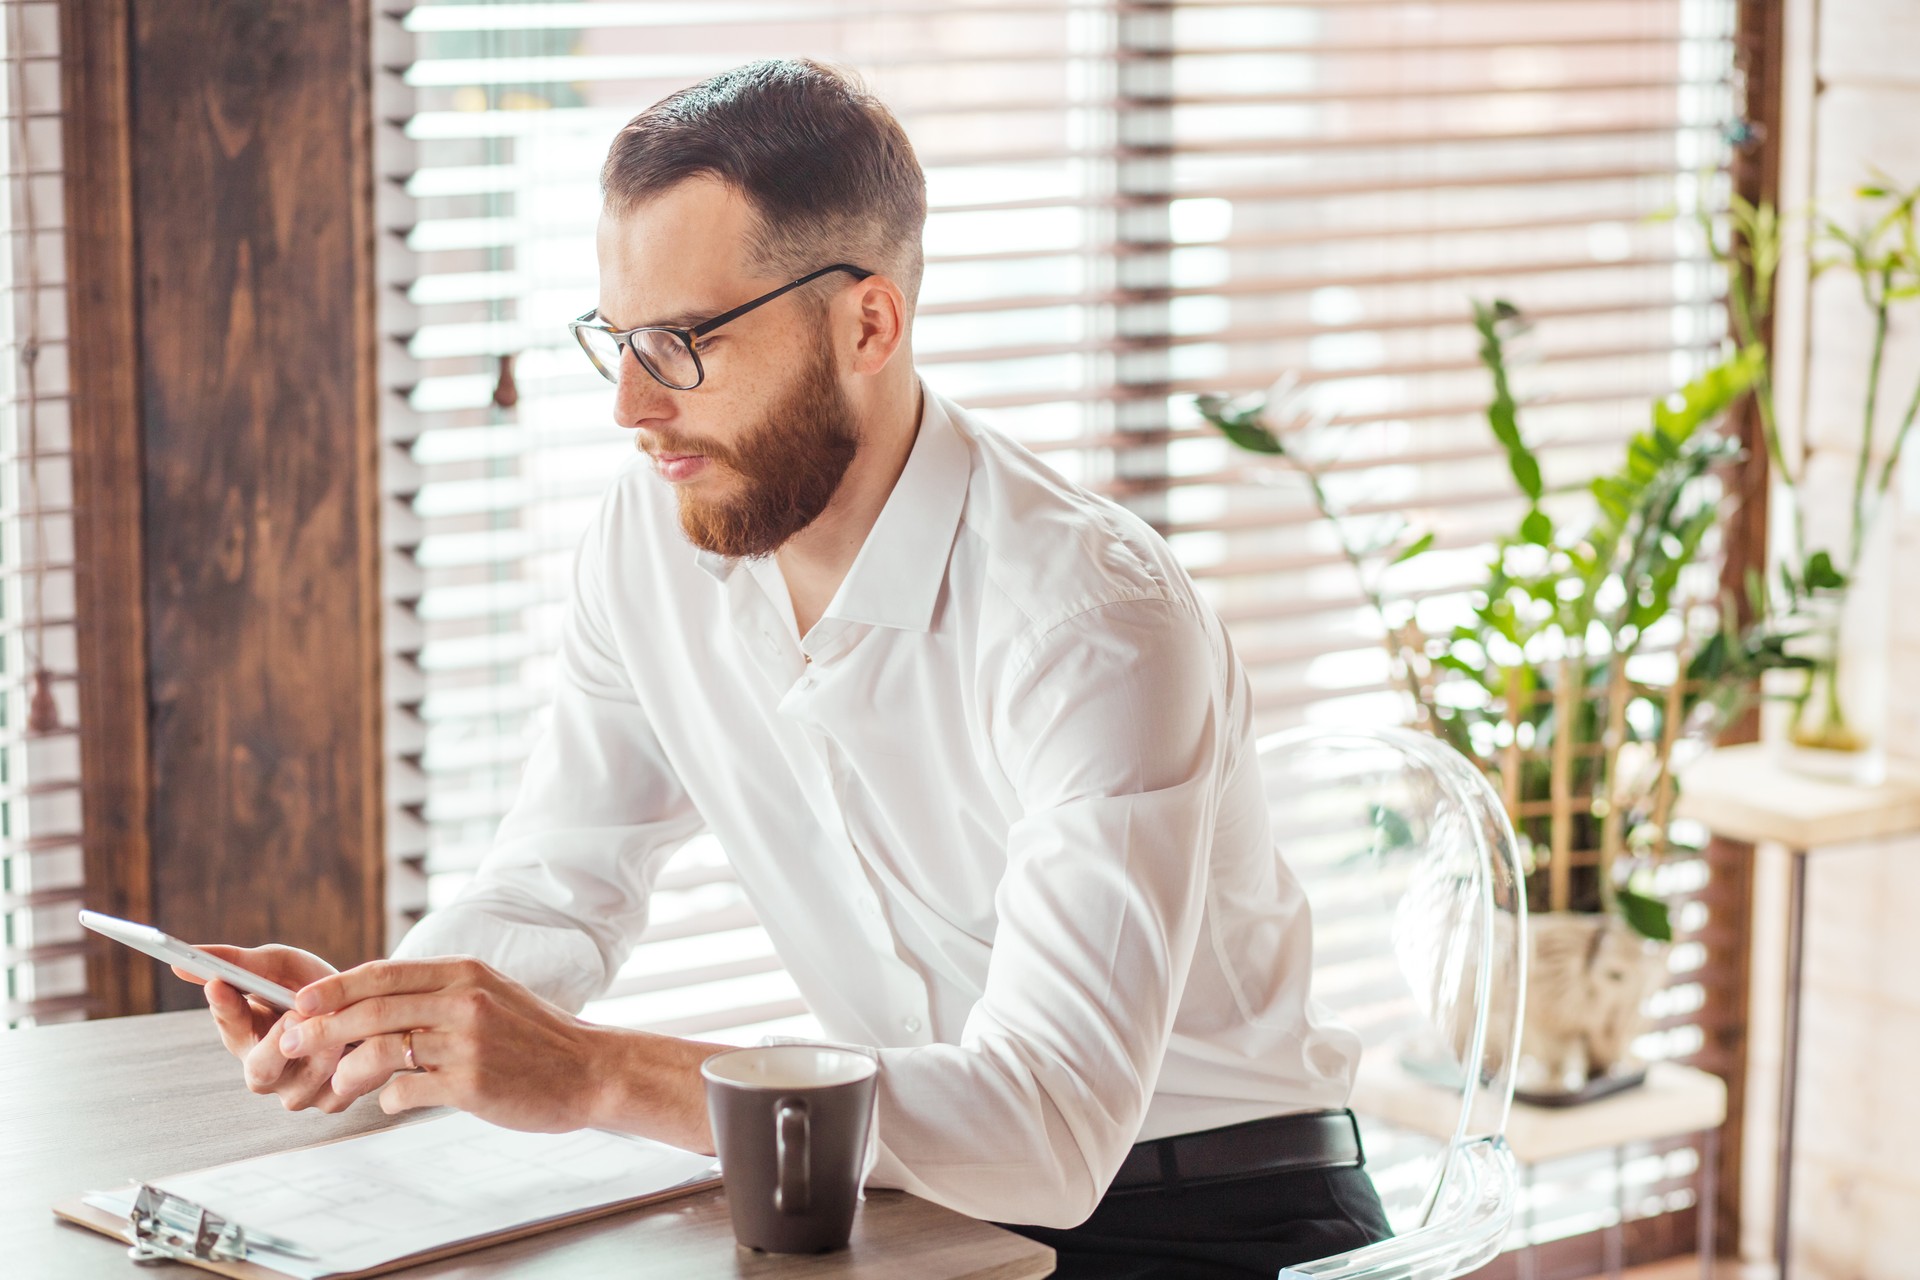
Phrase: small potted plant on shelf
(1586, 659)
(1829, 728)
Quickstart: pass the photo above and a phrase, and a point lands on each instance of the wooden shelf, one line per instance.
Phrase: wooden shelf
(1746, 793)
(1674, 1102)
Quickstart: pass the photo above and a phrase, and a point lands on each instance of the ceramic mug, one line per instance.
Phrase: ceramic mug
(790, 1124)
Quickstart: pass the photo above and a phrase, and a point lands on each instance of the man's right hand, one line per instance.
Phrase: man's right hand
(251, 1029)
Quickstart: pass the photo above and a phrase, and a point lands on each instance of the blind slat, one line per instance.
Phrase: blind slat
(40, 865)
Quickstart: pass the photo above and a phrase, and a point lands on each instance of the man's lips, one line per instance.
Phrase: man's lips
(679, 466)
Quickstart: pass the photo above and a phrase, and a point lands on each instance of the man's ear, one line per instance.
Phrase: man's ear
(880, 322)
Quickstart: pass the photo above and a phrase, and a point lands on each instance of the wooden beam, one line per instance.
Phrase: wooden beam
(253, 189)
(104, 404)
(1759, 46)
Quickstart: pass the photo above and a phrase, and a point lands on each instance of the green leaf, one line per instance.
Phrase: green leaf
(1679, 415)
(1647, 915)
(1537, 528)
(1821, 575)
(1615, 497)
(1503, 412)
(1391, 830)
(1710, 660)
(1454, 662)
(1414, 548)
(1243, 427)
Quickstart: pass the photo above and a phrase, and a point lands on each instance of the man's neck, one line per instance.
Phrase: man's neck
(815, 561)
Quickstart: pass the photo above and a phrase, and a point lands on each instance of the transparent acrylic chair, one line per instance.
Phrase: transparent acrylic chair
(1419, 915)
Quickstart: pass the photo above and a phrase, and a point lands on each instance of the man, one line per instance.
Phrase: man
(979, 752)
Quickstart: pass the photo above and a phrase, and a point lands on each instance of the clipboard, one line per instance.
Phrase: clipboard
(167, 1227)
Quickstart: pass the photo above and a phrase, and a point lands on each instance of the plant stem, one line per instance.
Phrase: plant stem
(1396, 651)
(1879, 305)
(1899, 440)
(1749, 294)
(1777, 457)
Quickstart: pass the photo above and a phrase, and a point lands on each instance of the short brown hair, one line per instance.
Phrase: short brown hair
(827, 168)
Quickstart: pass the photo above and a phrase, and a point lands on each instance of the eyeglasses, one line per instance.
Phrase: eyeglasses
(672, 355)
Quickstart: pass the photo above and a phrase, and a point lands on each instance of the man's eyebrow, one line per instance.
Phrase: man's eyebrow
(678, 320)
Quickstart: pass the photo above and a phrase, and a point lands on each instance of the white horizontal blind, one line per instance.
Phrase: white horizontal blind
(41, 868)
(1412, 158)
(1130, 203)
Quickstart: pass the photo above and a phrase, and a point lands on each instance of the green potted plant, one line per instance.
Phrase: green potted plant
(1877, 241)
(1581, 668)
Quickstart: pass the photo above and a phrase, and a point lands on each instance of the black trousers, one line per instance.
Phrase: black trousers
(1243, 1229)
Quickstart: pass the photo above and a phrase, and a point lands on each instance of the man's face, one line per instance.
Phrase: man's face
(757, 450)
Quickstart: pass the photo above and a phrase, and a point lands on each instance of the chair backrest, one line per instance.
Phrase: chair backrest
(1411, 870)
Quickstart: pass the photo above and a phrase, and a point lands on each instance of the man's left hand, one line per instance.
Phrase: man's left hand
(486, 1044)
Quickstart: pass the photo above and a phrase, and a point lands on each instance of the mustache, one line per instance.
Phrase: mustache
(676, 446)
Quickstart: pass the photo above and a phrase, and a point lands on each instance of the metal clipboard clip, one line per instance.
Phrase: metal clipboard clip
(171, 1228)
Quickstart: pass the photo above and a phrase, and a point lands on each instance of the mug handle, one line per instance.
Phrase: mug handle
(790, 1141)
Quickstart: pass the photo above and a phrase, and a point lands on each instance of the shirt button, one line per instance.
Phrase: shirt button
(912, 1025)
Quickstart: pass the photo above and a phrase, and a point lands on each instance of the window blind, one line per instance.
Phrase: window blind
(1130, 202)
(40, 851)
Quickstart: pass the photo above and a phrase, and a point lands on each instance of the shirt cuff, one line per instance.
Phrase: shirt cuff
(555, 962)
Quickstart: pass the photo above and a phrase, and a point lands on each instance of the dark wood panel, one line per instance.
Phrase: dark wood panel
(1759, 54)
(111, 625)
(252, 192)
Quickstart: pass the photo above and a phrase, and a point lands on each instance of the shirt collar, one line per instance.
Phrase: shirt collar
(896, 578)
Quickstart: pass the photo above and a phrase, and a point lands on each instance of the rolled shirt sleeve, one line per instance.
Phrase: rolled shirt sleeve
(561, 896)
(1110, 729)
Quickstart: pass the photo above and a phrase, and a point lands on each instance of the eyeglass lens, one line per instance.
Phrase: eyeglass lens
(663, 353)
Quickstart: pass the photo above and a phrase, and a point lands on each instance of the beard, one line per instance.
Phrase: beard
(787, 468)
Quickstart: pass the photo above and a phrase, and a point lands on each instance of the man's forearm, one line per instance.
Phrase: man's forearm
(650, 1085)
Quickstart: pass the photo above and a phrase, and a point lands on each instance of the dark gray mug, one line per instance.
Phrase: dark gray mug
(790, 1126)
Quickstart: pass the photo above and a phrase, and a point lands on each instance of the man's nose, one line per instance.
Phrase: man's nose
(638, 396)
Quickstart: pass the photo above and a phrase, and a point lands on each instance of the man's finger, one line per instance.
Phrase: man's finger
(371, 1065)
(264, 1064)
(376, 1015)
(386, 977)
(233, 1018)
(416, 1089)
(309, 1083)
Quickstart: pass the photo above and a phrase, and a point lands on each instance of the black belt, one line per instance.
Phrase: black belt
(1303, 1140)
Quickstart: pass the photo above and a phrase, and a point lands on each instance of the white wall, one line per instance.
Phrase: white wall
(1857, 1173)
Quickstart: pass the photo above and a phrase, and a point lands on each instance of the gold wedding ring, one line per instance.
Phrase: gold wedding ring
(407, 1040)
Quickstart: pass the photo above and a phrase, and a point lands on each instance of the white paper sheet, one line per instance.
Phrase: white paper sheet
(380, 1196)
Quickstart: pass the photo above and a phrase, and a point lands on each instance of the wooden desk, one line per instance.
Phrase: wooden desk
(91, 1105)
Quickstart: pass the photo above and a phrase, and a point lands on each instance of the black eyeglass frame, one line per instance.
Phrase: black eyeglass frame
(689, 338)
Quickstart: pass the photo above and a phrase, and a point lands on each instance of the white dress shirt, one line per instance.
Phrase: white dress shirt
(998, 810)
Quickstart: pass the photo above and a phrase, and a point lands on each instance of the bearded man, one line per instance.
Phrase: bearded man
(980, 754)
